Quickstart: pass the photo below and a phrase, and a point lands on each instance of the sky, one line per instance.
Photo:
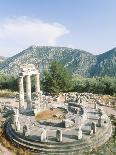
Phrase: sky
(88, 25)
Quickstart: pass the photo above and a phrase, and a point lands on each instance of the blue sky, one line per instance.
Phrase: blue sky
(89, 25)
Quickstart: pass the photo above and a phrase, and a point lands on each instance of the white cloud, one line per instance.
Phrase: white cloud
(19, 33)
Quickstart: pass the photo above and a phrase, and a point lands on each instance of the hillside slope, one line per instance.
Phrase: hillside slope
(77, 61)
(105, 64)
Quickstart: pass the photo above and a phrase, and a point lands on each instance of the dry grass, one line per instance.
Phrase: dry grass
(7, 93)
(109, 99)
(105, 98)
(51, 114)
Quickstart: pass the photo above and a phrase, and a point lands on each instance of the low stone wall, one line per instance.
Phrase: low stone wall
(83, 145)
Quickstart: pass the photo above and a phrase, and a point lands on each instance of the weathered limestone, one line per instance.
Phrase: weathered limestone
(100, 111)
(21, 94)
(96, 106)
(16, 117)
(80, 100)
(99, 122)
(18, 126)
(24, 130)
(93, 127)
(17, 111)
(37, 84)
(68, 123)
(103, 119)
(84, 116)
(65, 97)
(90, 132)
(59, 135)
(43, 136)
(35, 111)
(28, 92)
(28, 131)
(79, 134)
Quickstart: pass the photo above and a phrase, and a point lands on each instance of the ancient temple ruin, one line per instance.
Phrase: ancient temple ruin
(26, 71)
(76, 125)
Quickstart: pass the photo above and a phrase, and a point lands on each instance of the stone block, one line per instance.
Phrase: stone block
(59, 135)
(68, 123)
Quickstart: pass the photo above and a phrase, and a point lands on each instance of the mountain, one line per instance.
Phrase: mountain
(77, 61)
(105, 64)
(2, 59)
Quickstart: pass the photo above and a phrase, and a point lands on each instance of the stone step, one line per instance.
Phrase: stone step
(55, 148)
(47, 146)
(50, 149)
(52, 144)
(37, 143)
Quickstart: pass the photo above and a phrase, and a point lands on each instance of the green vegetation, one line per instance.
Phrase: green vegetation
(8, 82)
(99, 85)
(57, 79)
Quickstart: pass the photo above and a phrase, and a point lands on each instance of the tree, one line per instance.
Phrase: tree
(99, 85)
(8, 82)
(56, 79)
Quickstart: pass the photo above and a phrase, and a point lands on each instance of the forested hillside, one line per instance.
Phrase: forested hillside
(77, 61)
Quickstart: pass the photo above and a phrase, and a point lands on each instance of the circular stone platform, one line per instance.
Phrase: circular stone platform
(80, 117)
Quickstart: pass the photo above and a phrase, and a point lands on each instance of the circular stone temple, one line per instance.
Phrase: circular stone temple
(47, 127)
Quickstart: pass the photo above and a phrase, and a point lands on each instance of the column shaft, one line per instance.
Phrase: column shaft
(28, 92)
(37, 83)
(21, 93)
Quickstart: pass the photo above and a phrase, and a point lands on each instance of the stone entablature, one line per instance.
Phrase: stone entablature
(28, 69)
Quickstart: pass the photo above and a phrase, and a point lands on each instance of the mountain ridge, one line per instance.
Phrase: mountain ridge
(77, 61)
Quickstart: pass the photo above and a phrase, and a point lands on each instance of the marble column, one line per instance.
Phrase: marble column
(18, 126)
(80, 133)
(93, 127)
(37, 83)
(15, 118)
(28, 92)
(21, 94)
(95, 106)
(59, 135)
(99, 122)
(43, 136)
(24, 130)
